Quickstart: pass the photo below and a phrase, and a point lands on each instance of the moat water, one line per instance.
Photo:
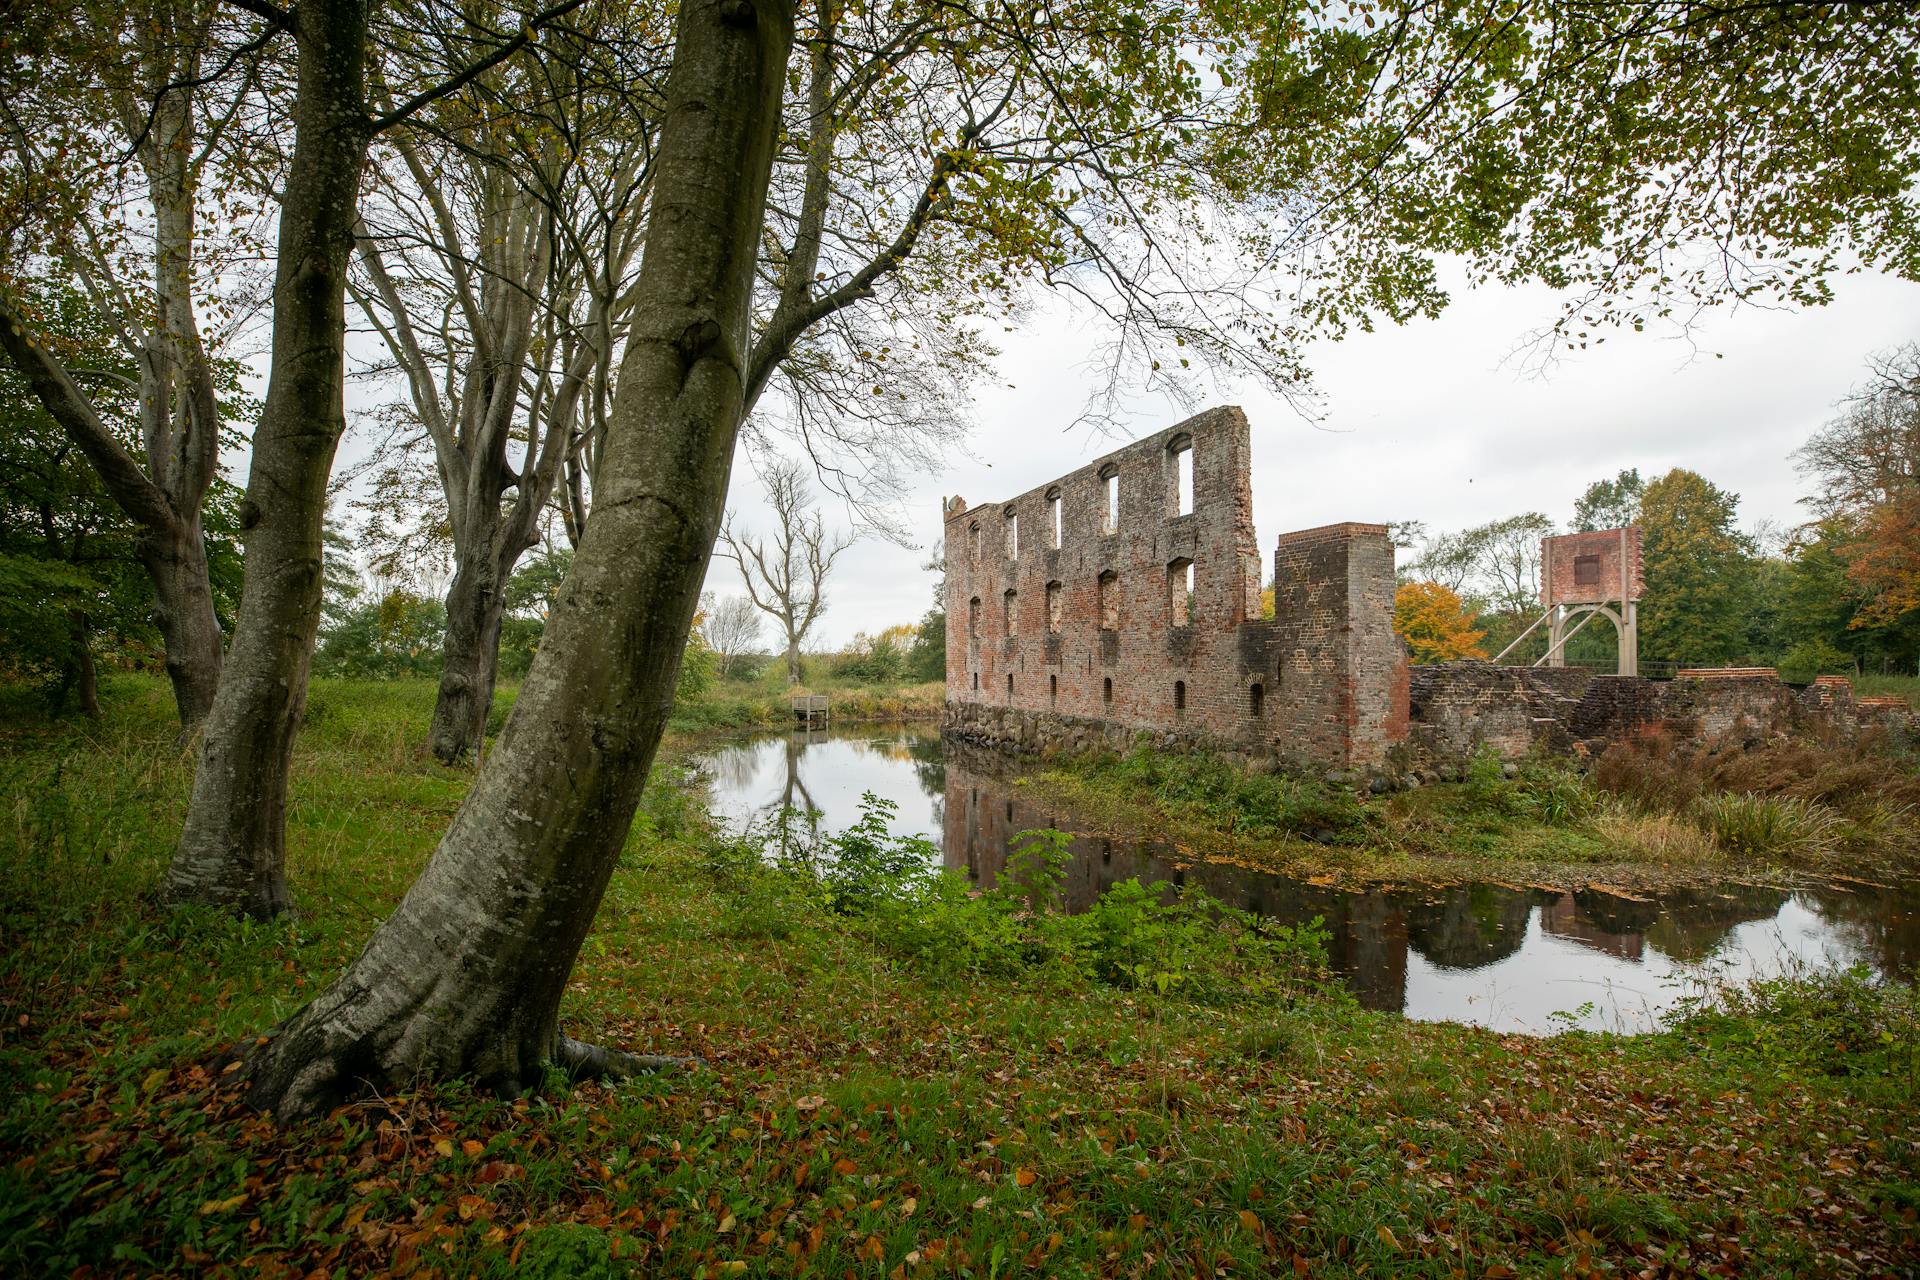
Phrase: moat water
(1509, 957)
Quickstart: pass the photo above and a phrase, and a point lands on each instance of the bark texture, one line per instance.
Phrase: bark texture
(466, 977)
(231, 852)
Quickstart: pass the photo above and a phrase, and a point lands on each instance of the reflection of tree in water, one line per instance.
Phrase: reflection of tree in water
(1694, 922)
(1882, 925)
(732, 769)
(1469, 926)
(929, 768)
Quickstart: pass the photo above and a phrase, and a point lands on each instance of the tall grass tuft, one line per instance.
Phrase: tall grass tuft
(1750, 826)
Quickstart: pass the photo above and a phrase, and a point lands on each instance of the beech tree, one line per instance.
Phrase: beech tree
(786, 575)
(497, 268)
(155, 233)
(1867, 465)
(1082, 146)
(1699, 571)
(232, 850)
(467, 974)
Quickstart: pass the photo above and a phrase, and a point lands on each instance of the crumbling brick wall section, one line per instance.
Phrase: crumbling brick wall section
(1462, 707)
(1123, 598)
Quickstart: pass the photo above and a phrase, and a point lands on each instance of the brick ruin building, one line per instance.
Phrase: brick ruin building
(1125, 598)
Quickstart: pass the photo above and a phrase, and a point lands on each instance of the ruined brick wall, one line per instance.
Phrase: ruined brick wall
(1590, 568)
(1092, 629)
(1461, 707)
(1341, 672)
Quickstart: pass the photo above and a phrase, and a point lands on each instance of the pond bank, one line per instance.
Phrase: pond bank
(1644, 817)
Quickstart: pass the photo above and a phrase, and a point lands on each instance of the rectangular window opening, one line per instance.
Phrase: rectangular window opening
(1180, 592)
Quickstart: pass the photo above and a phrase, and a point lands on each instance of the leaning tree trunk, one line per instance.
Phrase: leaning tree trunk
(232, 851)
(476, 604)
(466, 976)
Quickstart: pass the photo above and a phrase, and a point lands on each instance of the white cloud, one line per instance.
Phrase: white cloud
(1425, 423)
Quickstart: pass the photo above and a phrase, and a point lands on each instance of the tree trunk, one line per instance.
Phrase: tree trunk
(476, 602)
(176, 563)
(467, 975)
(793, 662)
(79, 677)
(232, 851)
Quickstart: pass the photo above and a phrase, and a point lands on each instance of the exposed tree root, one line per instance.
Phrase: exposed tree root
(597, 1062)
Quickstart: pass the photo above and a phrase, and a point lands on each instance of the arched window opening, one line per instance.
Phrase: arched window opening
(976, 682)
(1109, 601)
(1009, 686)
(1110, 487)
(973, 541)
(1179, 695)
(1013, 534)
(1180, 475)
(1180, 593)
(1053, 690)
(973, 618)
(1256, 699)
(1106, 691)
(1011, 612)
(1055, 594)
(1055, 525)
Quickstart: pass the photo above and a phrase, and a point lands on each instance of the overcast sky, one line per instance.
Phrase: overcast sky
(1424, 422)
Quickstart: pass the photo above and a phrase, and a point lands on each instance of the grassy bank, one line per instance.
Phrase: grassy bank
(766, 702)
(877, 1101)
(1907, 687)
(1643, 813)
(391, 709)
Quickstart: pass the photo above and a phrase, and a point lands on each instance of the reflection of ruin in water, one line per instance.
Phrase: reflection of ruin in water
(1430, 951)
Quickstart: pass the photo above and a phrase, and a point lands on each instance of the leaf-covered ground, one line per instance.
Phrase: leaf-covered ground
(859, 1114)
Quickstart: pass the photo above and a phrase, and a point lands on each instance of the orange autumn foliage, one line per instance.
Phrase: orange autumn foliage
(1435, 623)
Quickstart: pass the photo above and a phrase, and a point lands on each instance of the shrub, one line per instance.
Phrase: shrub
(1230, 798)
(1812, 658)
(1137, 936)
(1841, 1023)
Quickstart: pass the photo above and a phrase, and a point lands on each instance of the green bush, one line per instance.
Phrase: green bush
(1229, 797)
(1136, 936)
(1812, 658)
(1840, 1023)
(1545, 791)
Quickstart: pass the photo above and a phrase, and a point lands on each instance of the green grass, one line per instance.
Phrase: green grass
(866, 1111)
(1907, 687)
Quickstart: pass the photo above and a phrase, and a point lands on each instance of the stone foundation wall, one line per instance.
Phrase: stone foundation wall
(1458, 708)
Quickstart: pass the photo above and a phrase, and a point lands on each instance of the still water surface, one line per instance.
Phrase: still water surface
(1509, 957)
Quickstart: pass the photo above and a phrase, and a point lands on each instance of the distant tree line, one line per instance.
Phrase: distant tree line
(1840, 593)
